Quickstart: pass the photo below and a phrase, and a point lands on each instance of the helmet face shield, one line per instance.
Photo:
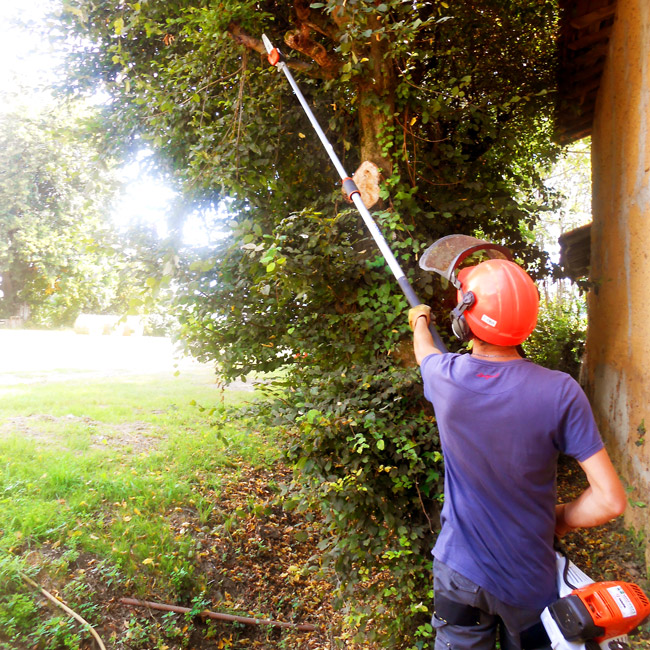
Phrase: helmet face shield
(446, 254)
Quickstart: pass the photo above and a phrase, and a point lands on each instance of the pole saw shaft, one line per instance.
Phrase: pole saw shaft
(349, 186)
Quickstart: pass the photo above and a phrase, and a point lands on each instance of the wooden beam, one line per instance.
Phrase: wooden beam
(580, 90)
(577, 124)
(591, 39)
(580, 22)
(587, 73)
(570, 131)
(588, 58)
(575, 252)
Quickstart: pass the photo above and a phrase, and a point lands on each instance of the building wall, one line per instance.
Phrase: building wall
(617, 370)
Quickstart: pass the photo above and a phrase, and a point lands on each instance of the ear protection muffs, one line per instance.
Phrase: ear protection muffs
(459, 325)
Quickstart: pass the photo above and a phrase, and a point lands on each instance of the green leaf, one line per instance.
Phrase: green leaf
(312, 414)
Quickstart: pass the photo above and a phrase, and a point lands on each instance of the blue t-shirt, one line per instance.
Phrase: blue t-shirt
(502, 427)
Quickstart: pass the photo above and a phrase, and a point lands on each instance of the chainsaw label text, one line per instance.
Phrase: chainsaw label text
(623, 601)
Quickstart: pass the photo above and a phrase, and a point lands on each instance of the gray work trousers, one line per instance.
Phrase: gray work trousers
(495, 615)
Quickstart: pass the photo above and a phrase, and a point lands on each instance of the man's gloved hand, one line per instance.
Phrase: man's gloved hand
(416, 312)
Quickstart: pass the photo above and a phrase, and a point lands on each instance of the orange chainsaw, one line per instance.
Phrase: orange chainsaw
(593, 615)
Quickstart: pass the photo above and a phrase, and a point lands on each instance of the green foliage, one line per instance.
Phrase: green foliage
(50, 200)
(453, 103)
(558, 341)
(378, 473)
(59, 252)
(571, 178)
(16, 614)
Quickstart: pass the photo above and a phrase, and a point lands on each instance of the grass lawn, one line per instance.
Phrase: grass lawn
(162, 488)
(156, 488)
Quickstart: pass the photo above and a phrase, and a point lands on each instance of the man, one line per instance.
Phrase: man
(503, 422)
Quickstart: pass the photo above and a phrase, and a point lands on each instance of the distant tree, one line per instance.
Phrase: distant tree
(559, 339)
(59, 251)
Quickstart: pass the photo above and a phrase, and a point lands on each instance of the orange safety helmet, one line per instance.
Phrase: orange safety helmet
(505, 302)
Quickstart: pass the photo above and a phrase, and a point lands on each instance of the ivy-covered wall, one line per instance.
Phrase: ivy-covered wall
(618, 338)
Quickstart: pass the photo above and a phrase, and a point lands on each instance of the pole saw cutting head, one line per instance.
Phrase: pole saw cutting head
(446, 255)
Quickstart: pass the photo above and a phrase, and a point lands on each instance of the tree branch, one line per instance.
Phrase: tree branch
(240, 36)
(315, 20)
(300, 41)
(243, 38)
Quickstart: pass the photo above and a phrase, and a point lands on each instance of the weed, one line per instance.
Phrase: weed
(79, 595)
(60, 565)
(138, 632)
(10, 569)
(57, 633)
(170, 626)
(16, 614)
(110, 574)
(204, 509)
(199, 604)
(181, 578)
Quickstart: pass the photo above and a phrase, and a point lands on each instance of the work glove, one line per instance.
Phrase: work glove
(416, 312)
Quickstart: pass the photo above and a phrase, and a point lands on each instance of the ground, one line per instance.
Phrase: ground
(255, 565)
(256, 556)
(258, 562)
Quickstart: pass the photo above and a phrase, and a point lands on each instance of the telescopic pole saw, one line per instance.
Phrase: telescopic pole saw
(275, 58)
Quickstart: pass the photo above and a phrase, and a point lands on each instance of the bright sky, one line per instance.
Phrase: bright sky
(28, 62)
(26, 59)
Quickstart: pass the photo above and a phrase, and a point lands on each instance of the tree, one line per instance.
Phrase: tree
(453, 104)
(59, 252)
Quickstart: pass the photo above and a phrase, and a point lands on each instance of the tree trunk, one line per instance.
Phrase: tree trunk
(376, 92)
(7, 304)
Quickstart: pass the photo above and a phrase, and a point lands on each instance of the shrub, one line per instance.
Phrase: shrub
(558, 341)
(369, 452)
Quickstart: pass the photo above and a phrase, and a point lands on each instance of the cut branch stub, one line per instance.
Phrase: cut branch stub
(367, 179)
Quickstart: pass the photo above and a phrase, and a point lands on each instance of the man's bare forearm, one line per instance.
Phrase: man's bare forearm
(601, 502)
(423, 344)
